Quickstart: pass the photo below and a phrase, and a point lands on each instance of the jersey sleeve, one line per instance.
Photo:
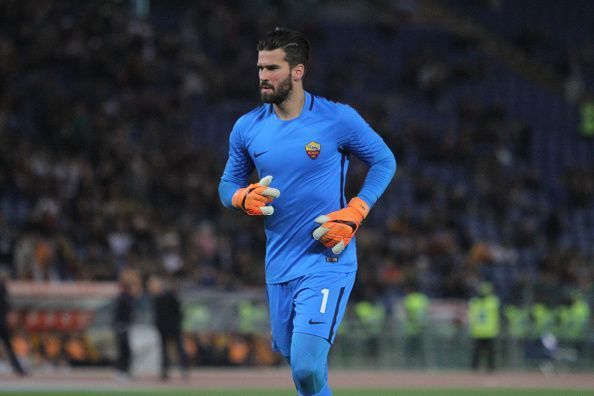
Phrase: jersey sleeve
(362, 141)
(238, 168)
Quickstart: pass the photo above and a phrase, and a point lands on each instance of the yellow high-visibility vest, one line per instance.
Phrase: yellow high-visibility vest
(416, 306)
(483, 317)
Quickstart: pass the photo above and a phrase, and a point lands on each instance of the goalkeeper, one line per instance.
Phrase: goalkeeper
(300, 145)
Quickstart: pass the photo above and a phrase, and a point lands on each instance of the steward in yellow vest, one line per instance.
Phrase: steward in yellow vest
(483, 318)
(574, 316)
(416, 313)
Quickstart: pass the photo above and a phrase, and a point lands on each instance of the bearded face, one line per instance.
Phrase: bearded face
(276, 95)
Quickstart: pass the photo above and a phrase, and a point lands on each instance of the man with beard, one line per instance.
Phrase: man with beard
(304, 142)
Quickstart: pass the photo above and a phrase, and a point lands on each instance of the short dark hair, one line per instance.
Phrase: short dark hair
(295, 45)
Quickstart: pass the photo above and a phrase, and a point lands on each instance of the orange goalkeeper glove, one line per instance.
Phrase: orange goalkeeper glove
(254, 198)
(338, 228)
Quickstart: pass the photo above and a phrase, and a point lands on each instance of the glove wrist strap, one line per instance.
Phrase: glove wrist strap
(360, 206)
(236, 199)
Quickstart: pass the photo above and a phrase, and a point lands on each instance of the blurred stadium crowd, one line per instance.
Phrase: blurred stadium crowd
(114, 125)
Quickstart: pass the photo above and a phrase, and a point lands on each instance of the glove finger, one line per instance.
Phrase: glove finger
(257, 199)
(267, 210)
(338, 248)
(322, 219)
(319, 232)
(265, 181)
(271, 192)
(328, 241)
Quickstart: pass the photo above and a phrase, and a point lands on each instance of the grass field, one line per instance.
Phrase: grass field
(353, 392)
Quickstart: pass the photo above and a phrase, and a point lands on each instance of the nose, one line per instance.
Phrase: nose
(263, 75)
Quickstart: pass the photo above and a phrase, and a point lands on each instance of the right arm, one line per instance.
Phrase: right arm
(238, 168)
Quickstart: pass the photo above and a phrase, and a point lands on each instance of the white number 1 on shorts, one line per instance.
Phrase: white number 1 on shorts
(325, 292)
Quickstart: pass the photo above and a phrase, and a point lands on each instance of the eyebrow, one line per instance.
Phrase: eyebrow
(271, 66)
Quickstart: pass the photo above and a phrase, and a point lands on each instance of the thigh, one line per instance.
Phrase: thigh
(280, 305)
(320, 303)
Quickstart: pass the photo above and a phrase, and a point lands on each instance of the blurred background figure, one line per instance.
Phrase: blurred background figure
(561, 340)
(483, 318)
(5, 333)
(371, 315)
(516, 315)
(416, 310)
(123, 316)
(167, 316)
(573, 319)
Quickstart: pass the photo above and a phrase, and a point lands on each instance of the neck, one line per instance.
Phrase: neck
(293, 105)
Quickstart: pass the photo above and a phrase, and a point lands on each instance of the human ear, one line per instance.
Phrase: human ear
(298, 72)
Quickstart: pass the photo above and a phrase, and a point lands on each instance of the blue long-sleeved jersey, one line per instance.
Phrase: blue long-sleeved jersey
(308, 158)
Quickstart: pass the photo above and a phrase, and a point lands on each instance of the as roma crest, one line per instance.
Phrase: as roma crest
(313, 150)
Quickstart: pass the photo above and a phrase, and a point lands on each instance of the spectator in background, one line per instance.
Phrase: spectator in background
(168, 318)
(483, 317)
(573, 317)
(416, 310)
(122, 320)
(517, 322)
(4, 329)
(371, 316)
(7, 244)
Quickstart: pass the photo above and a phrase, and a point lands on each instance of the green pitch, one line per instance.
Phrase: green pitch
(353, 392)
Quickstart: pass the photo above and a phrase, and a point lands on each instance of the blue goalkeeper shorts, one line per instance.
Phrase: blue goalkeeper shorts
(312, 304)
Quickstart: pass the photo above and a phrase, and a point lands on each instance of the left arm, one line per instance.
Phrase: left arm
(370, 148)
(338, 228)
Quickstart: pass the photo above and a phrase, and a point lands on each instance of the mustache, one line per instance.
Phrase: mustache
(264, 85)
